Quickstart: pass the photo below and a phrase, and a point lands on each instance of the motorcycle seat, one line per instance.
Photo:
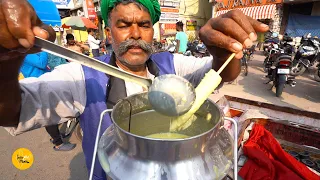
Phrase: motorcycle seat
(284, 57)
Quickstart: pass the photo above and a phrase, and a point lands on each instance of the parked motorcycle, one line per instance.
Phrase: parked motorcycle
(271, 57)
(279, 72)
(286, 45)
(270, 39)
(196, 49)
(158, 46)
(307, 55)
(70, 127)
(247, 53)
(170, 46)
(317, 73)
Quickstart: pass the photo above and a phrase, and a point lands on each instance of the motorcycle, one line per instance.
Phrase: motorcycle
(270, 58)
(157, 46)
(270, 40)
(70, 127)
(317, 73)
(247, 53)
(170, 46)
(278, 64)
(286, 45)
(307, 55)
(279, 72)
(196, 49)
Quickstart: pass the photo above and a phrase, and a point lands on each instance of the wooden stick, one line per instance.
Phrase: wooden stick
(226, 63)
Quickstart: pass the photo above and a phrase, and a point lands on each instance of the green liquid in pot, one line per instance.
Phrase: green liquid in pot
(167, 136)
(154, 125)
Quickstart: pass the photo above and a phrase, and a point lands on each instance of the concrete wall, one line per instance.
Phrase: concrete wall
(316, 9)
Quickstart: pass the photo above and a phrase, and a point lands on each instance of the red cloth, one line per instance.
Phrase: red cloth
(267, 160)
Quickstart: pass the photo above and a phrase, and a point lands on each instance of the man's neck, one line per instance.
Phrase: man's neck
(138, 70)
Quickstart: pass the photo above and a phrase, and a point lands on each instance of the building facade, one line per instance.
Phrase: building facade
(294, 17)
(193, 14)
(267, 11)
(301, 17)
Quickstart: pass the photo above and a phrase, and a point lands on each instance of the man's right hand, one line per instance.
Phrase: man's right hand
(19, 24)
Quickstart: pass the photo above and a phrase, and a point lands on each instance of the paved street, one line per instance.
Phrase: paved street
(306, 94)
(51, 165)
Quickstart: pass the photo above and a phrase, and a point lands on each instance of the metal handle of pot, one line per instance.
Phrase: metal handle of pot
(235, 147)
(97, 141)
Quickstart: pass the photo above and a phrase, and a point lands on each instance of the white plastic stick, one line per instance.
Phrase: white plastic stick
(226, 63)
(208, 84)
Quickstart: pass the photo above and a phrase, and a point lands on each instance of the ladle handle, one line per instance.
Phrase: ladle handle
(65, 53)
(235, 147)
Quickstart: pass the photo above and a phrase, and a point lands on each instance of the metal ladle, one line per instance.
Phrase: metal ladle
(169, 94)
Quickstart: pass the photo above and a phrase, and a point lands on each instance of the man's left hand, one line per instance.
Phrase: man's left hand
(230, 33)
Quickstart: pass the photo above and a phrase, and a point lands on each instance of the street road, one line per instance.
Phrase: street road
(52, 165)
(306, 94)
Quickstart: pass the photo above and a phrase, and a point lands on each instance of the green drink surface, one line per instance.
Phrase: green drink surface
(152, 124)
(167, 136)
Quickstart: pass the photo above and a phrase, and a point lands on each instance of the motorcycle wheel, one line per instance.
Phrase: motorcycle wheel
(66, 129)
(246, 66)
(317, 75)
(264, 65)
(297, 69)
(280, 85)
(79, 133)
(279, 89)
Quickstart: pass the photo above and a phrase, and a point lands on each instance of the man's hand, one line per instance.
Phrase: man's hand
(19, 24)
(230, 33)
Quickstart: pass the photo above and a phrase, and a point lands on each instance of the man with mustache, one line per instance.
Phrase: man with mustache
(73, 90)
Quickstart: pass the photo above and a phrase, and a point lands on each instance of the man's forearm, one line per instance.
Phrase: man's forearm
(10, 96)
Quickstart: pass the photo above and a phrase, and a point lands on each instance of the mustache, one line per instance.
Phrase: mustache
(126, 45)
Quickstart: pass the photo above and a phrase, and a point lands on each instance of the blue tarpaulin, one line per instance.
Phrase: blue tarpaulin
(47, 11)
(299, 25)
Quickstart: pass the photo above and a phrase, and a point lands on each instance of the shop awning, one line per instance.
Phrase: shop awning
(256, 12)
(47, 11)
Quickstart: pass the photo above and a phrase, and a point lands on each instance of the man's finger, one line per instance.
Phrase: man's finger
(6, 39)
(243, 22)
(212, 37)
(40, 32)
(19, 17)
(239, 55)
(258, 26)
(230, 28)
(48, 32)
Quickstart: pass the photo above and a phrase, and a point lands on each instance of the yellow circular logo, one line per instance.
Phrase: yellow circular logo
(22, 159)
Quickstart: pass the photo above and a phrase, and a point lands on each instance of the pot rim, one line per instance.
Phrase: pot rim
(170, 140)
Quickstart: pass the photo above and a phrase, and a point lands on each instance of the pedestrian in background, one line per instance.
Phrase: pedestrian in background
(94, 43)
(34, 65)
(54, 61)
(181, 38)
(74, 45)
(107, 44)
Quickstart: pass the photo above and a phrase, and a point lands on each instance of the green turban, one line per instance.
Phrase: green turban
(152, 5)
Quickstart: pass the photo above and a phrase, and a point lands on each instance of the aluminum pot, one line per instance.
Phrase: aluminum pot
(207, 154)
